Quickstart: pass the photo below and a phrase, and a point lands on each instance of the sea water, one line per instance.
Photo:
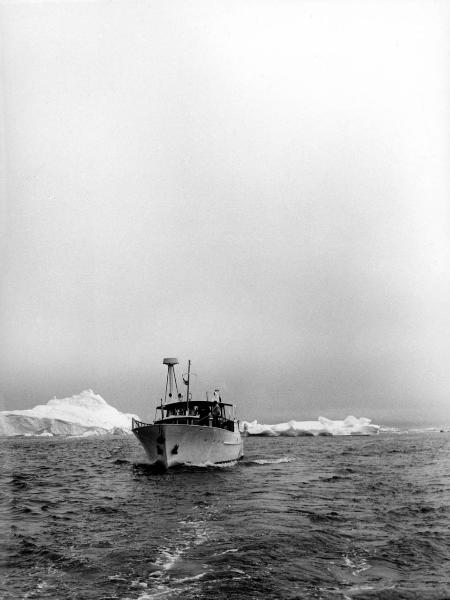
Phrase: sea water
(308, 517)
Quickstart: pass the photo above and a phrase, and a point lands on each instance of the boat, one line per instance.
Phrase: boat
(188, 432)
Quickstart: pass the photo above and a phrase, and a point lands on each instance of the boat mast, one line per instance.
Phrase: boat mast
(187, 383)
(170, 362)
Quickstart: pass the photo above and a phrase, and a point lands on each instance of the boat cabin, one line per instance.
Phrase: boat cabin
(199, 412)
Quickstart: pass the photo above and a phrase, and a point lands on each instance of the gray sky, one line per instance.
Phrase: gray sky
(260, 186)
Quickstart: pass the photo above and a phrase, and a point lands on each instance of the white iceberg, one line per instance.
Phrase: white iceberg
(349, 426)
(80, 415)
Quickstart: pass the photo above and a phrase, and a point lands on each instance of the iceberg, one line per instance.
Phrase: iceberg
(84, 414)
(323, 426)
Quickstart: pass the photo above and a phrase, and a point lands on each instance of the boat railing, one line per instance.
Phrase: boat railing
(135, 423)
(188, 420)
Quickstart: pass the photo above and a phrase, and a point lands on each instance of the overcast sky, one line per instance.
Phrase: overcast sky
(259, 186)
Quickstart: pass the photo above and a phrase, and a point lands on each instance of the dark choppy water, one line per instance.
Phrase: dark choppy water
(305, 518)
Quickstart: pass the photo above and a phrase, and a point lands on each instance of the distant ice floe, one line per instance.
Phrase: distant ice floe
(84, 414)
(88, 414)
(349, 426)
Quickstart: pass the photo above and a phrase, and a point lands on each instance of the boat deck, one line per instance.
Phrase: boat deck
(189, 420)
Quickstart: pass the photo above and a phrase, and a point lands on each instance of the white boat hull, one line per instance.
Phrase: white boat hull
(170, 445)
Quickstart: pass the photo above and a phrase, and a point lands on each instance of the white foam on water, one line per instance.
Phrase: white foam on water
(168, 558)
(42, 586)
(202, 533)
(165, 590)
(192, 578)
(273, 461)
(357, 589)
(228, 551)
(162, 591)
(211, 465)
(116, 578)
(358, 565)
(136, 584)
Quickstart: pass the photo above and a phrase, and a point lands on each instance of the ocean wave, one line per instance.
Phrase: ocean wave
(356, 518)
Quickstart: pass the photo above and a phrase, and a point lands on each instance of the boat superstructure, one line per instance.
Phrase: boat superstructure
(188, 432)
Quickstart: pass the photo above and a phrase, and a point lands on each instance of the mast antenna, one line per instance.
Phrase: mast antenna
(187, 381)
(170, 362)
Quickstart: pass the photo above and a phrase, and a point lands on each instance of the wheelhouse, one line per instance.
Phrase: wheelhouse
(199, 412)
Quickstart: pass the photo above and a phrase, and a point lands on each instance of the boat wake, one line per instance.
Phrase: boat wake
(176, 574)
(146, 469)
(268, 461)
(143, 468)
